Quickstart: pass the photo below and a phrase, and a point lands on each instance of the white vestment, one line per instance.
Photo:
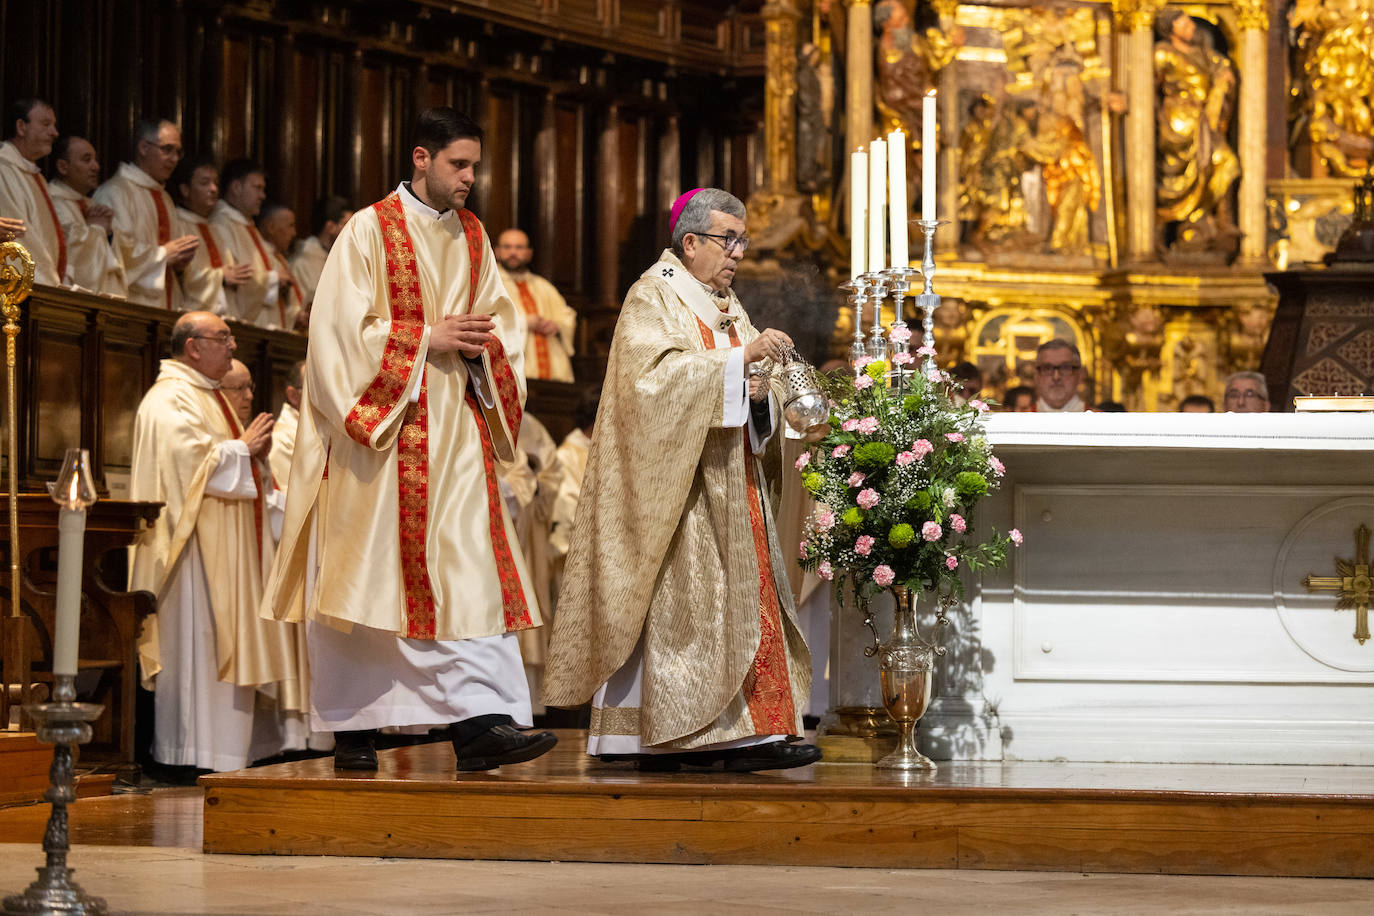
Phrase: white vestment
(91, 262)
(202, 282)
(283, 444)
(24, 195)
(307, 264)
(255, 300)
(145, 220)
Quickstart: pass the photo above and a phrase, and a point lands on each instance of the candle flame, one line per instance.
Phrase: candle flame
(930, 94)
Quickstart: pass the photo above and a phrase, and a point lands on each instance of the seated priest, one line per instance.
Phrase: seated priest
(1246, 392)
(24, 194)
(91, 262)
(675, 618)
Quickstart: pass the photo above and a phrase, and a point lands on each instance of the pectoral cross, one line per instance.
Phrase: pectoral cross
(1353, 583)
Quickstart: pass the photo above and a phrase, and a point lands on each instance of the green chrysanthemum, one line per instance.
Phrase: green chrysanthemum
(876, 370)
(874, 455)
(901, 535)
(852, 517)
(812, 481)
(920, 502)
(912, 403)
(970, 485)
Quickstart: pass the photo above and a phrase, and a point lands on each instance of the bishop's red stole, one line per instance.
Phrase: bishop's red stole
(767, 686)
(384, 394)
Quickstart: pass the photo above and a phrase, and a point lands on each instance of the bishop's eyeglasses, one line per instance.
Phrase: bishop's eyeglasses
(731, 243)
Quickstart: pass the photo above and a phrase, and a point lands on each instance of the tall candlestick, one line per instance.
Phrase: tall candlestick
(928, 156)
(877, 199)
(74, 491)
(858, 208)
(896, 197)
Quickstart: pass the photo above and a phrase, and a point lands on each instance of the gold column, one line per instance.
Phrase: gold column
(858, 92)
(780, 91)
(1253, 18)
(1135, 20)
(947, 140)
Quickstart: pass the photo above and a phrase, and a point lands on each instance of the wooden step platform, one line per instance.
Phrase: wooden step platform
(1172, 819)
(24, 765)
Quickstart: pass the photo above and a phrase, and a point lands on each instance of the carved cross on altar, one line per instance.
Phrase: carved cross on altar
(1353, 583)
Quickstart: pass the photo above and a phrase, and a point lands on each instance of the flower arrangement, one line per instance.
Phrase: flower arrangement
(896, 481)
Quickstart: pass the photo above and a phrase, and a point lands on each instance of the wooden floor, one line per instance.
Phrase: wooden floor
(1172, 819)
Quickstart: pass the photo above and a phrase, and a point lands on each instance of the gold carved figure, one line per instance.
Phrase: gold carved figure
(1195, 162)
(1335, 77)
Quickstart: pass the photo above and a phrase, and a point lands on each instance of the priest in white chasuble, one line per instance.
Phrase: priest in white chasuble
(30, 131)
(91, 262)
(284, 431)
(397, 547)
(329, 217)
(217, 668)
(243, 188)
(277, 226)
(148, 239)
(551, 322)
(675, 618)
(212, 272)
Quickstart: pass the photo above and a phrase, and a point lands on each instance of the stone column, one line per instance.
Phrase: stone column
(1134, 22)
(1253, 18)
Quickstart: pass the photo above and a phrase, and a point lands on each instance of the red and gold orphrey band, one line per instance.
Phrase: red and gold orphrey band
(768, 686)
(541, 344)
(383, 395)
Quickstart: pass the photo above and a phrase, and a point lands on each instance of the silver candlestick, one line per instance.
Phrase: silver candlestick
(63, 724)
(877, 291)
(858, 295)
(928, 301)
(899, 336)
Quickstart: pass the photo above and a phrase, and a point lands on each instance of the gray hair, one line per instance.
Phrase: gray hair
(1058, 343)
(147, 129)
(1256, 377)
(696, 215)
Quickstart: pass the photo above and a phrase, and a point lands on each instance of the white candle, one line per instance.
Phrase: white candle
(896, 197)
(858, 208)
(71, 532)
(877, 199)
(928, 156)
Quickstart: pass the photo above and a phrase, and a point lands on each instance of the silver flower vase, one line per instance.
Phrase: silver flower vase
(906, 666)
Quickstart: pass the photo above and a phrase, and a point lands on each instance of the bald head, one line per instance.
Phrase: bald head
(513, 250)
(202, 341)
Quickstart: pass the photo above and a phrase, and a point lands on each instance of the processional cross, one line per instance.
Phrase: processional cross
(1353, 583)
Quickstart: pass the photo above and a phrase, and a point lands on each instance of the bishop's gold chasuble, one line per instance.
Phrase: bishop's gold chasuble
(674, 550)
(393, 510)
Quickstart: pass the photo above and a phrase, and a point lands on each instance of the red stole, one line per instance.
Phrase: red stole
(57, 227)
(164, 235)
(767, 686)
(237, 430)
(383, 395)
(541, 343)
(211, 249)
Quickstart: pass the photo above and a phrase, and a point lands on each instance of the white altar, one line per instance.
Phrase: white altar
(1157, 611)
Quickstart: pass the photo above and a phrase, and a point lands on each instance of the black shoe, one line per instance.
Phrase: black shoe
(355, 750)
(775, 756)
(502, 744)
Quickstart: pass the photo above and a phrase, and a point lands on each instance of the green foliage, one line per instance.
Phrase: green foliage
(874, 455)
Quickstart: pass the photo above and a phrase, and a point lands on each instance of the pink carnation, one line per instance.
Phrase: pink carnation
(849, 425)
(978, 405)
(926, 351)
(862, 361)
(935, 376)
(1015, 536)
(921, 447)
(931, 531)
(863, 382)
(955, 437)
(902, 359)
(900, 335)
(905, 458)
(824, 571)
(884, 575)
(957, 523)
(951, 562)
(840, 451)
(856, 479)
(867, 498)
(863, 545)
(825, 519)
(804, 546)
(998, 467)
(803, 460)
(868, 425)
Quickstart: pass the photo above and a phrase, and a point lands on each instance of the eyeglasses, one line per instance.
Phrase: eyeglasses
(223, 339)
(1244, 396)
(168, 149)
(1059, 370)
(731, 243)
(246, 386)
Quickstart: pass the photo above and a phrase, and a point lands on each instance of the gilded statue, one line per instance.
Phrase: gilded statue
(1073, 184)
(906, 64)
(992, 200)
(1335, 76)
(813, 121)
(1196, 165)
